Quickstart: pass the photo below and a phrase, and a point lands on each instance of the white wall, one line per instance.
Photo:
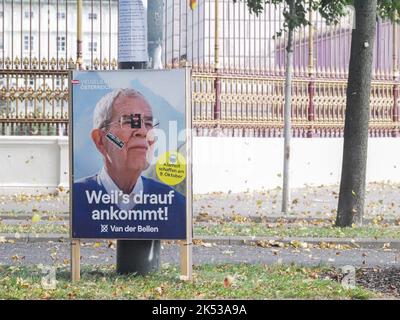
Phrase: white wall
(238, 164)
(40, 164)
(33, 164)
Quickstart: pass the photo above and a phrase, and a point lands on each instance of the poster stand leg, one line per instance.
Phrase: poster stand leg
(186, 260)
(75, 260)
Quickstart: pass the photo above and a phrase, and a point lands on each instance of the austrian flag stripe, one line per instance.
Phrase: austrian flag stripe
(75, 81)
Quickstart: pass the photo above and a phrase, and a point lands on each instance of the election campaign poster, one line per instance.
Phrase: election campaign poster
(130, 137)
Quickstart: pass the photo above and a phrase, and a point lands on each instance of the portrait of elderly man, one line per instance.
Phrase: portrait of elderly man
(119, 193)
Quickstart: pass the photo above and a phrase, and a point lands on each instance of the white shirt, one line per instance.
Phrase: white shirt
(105, 180)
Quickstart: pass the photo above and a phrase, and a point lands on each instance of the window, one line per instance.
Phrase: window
(28, 14)
(93, 46)
(92, 16)
(28, 45)
(60, 15)
(61, 43)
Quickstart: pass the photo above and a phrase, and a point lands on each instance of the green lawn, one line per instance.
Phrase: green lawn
(260, 229)
(248, 282)
(45, 228)
(240, 229)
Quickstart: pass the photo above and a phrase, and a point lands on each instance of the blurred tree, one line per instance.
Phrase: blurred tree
(352, 184)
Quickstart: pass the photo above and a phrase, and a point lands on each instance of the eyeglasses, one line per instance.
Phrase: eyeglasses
(132, 121)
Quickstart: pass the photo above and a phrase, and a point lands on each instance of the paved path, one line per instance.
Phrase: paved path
(21, 203)
(98, 253)
(381, 198)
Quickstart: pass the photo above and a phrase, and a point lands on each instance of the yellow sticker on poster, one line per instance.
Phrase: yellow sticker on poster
(171, 168)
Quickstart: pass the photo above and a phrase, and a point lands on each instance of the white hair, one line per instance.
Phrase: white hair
(103, 110)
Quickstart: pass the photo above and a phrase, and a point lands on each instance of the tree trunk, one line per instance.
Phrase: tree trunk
(352, 184)
(288, 113)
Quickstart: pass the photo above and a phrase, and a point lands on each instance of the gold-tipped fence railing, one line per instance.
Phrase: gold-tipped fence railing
(238, 66)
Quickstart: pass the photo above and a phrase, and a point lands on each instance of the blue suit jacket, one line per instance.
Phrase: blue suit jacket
(83, 226)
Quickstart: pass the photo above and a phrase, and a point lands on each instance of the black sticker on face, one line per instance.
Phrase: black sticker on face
(114, 139)
(136, 121)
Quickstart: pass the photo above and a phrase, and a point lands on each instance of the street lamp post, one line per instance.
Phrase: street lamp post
(138, 256)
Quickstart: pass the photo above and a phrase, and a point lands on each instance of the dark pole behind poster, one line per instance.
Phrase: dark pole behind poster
(141, 256)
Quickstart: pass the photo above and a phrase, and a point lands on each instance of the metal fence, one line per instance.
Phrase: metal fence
(238, 66)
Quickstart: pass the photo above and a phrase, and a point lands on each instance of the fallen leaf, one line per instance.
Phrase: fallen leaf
(36, 218)
(111, 244)
(159, 290)
(22, 283)
(314, 275)
(207, 244)
(97, 244)
(238, 218)
(386, 245)
(298, 244)
(228, 281)
(46, 296)
(17, 257)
